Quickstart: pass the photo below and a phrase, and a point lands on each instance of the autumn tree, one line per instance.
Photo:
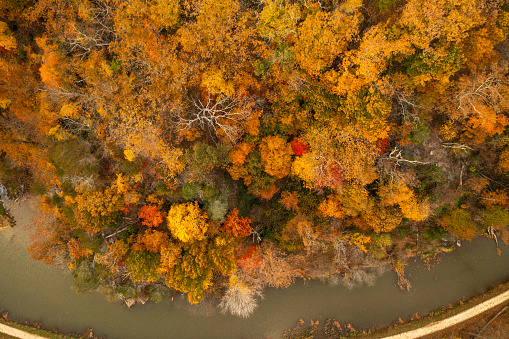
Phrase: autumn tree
(7, 40)
(298, 234)
(401, 194)
(152, 216)
(240, 298)
(276, 156)
(187, 222)
(459, 222)
(290, 200)
(143, 266)
(480, 103)
(278, 20)
(193, 271)
(236, 225)
(322, 36)
(273, 270)
(441, 19)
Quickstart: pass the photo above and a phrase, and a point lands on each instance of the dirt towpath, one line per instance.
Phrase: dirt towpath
(13, 332)
(451, 321)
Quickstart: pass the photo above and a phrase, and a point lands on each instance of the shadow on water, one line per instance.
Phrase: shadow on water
(32, 291)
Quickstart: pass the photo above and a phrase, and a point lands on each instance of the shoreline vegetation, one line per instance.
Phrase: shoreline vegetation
(333, 329)
(219, 147)
(38, 329)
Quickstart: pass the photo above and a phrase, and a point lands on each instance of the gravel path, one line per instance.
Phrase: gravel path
(13, 332)
(458, 318)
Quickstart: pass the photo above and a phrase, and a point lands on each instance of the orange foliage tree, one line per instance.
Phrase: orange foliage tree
(152, 215)
(236, 225)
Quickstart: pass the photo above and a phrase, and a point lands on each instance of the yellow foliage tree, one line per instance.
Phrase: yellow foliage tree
(451, 20)
(331, 207)
(278, 19)
(360, 240)
(322, 36)
(401, 194)
(7, 41)
(187, 222)
(276, 156)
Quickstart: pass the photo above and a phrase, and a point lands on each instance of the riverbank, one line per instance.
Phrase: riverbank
(13, 329)
(430, 326)
(434, 325)
(37, 293)
(449, 315)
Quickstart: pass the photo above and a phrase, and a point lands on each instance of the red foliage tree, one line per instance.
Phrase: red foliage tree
(383, 144)
(299, 146)
(152, 215)
(250, 259)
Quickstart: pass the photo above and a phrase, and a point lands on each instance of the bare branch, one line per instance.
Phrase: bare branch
(396, 156)
(216, 113)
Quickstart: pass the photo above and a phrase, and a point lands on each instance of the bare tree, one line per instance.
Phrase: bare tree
(217, 114)
(240, 299)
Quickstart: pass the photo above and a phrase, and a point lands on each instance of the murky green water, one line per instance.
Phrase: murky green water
(33, 291)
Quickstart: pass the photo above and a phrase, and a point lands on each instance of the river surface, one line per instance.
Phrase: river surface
(35, 292)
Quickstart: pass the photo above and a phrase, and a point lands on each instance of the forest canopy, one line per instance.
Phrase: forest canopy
(217, 147)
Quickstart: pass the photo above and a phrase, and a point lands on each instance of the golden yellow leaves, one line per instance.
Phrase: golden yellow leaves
(100, 203)
(114, 257)
(216, 82)
(331, 207)
(304, 167)
(52, 62)
(4, 103)
(321, 37)
(360, 240)
(164, 14)
(172, 163)
(159, 14)
(129, 155)
(7, 41)
(57, 132)
(350, 6)
(447, 131)
(399, 193)
(170, 255)
(187, 222)
(367, 112)
(429, 20)
(277, 20)
(237, 172)
(276, 156)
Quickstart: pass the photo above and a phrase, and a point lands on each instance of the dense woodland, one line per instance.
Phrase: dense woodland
(217, 147)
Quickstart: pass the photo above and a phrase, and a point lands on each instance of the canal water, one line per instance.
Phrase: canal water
(35, 292)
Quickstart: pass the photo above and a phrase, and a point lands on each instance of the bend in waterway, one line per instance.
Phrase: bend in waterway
(35, 292)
